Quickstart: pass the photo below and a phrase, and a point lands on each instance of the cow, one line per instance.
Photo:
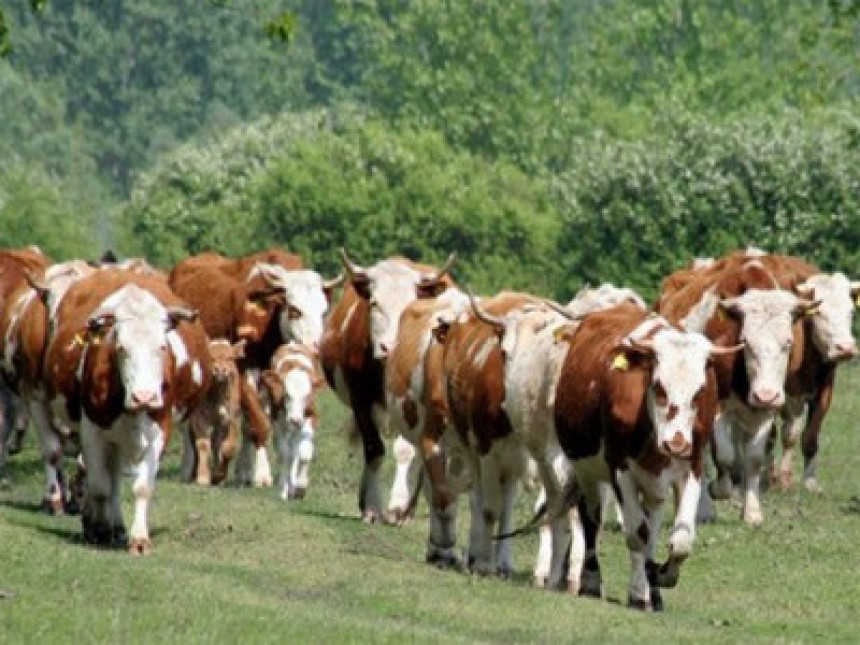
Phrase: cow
(25, 328)
(267, 299)
(360, 333)
(125, 355)
(827, 342)
(635, 402)
(737, 300)
(290, 386)
(212, 433)
(417, 411)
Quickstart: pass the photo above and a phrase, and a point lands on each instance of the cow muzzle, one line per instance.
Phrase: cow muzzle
(144, 400)
(678, 447)
(766, 398)
(843, 352)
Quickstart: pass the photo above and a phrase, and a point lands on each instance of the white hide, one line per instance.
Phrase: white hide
(833, 317)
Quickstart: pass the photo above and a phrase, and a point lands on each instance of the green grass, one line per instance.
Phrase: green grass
(239, 565)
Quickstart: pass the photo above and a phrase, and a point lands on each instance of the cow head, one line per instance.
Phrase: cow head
(766, 318)
(298, 297)
(388, 287)
(605, 296)
(678, 380)
(223, 356)
(831, 319)
(136, 324)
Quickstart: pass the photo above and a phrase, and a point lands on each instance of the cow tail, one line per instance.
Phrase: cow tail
(544, 516)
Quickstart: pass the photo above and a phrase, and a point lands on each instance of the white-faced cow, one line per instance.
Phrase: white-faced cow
(360, 333)
(738, 300)
(125, 355)
(290, 386)
(634, 403)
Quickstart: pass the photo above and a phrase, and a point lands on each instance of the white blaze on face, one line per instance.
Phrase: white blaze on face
(832, 318)
(139, 335)
(297, 393)
(302, 319)
(679, 374)
(392, 288)
(766, 320)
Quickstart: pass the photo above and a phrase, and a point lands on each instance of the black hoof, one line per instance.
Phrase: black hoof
(640, 605)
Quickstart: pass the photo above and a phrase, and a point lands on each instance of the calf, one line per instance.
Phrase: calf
(634, 404)
(290, 385)
(213, 426)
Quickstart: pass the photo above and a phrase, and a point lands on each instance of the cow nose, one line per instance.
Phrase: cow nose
(766, 397)
(295, 420)
(144, 398)
(678, 446)
(846, 350)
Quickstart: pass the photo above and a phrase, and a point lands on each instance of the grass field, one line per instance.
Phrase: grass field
(239, 565)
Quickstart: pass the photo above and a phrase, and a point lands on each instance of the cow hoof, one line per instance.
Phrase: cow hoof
(656, 599)
(297, 493)
(505, 572)
(639, 604)
(396, 516)
(812, 486)
(96, 534)
(444, 559)
(370, 516)
(73, 506)
(263, 482)
(53, 506)
(139, 546)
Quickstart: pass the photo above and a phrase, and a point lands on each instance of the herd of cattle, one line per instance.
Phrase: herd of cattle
(597, 397)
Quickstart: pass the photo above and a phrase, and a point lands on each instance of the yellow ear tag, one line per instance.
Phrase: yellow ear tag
(558, 334)
(721, 314)
(811, 312)
(78, 340)
(857, 300)
(620, 362)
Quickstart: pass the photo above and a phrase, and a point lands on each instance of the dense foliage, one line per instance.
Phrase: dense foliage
(550, 143)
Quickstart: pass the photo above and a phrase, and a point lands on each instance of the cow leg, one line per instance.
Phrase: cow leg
(486, 515)
(543, 562)
(370, 492)
(303, 454)
(405, 470)
(259, 428)
(113, 466)
(724, 458)
(792, 425)
(638, 530)
(757, 428)
(442, 532)
(144, 484)
(52, 454)
(225, 450)
(590, 582)
(95, 515)
(705, 511)
(188, 463)
(284, 453)
(688, 489)
(818, 408)
(504, 547)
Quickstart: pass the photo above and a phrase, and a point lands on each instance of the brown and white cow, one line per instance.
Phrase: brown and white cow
(738, 300)
(25, 328)
(213, 428)
(634, 404)
(290, 385)
(360, 333)
(827, 342)
(267, 300)
(125, 355)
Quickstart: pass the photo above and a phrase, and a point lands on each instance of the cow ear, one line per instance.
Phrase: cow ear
(273, 384)
(37, 283)
(806, 308)
(98, 326)
(361, 284)
(430, 288)
(565, 333)
(330, 285)
(855, 292)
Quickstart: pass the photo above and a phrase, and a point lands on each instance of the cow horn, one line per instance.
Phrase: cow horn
(351, 267)
(271, 274)
(717, 350)
(482, 315)
(452, 258)
(181, 312)
(641, 346)
(36, 283)
(552, 304)
(334, 282)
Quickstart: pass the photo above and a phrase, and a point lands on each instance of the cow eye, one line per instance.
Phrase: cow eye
(660, 395)
(294, 312)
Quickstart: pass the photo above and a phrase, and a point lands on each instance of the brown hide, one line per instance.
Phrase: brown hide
(25, 326)
(597, 405)
(476, 391)
(14, 266)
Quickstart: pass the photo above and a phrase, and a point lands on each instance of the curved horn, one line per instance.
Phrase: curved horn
(643, 346)
(181, 312)
(270, 273)
(717, 350)
(351, 267)
(452, 258)
(482, 315)
(552, 304)
(334, 282)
